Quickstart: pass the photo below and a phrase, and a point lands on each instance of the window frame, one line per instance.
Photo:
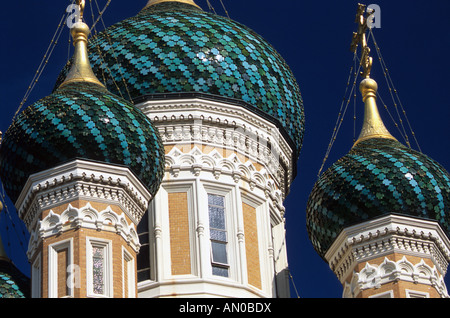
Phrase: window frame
(128, 265)
(143, 230)
(53, 250)
(36, 277)
(215, 263)
(106, 245)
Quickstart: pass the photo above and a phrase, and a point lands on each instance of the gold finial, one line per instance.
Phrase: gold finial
(360, 38)
(373, 126)
(153, 2)
(81, 70)
(82, 4)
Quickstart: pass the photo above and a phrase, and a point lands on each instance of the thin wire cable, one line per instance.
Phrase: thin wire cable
(341, 115)
(100, 13)
(115, 57)
(225, 9)
(293, 284)
(43, 64)
(7, 213)
(210, 6)
(21, 242)
(390, 115)
(405, 138)
(99, 51)
(392, 88)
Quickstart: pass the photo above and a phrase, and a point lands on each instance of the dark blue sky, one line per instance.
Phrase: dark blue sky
(314, 38)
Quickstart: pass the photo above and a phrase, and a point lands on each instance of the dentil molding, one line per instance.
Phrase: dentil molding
(386, 235)
(221, 125)
(213, 165)
(81, 179)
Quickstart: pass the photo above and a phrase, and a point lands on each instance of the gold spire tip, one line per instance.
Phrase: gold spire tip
(373, 126)
(80, 70)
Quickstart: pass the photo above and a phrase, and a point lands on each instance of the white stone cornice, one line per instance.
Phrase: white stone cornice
(230, 127)
(83, 180)
(386, 235)
(214, 166)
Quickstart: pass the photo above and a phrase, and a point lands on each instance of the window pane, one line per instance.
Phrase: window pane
(219, 251)
(217, 218)
(220, 271)
(143, 275)
(144, 238)
(143, 224)
(218, 235)
(143, 258)
(98, 269)
(216, 200)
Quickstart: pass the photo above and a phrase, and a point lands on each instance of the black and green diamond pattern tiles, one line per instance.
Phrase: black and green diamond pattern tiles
(85, 121)
(378, 176)
(175, 48)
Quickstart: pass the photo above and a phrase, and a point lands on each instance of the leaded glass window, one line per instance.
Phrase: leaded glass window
(218, 235)
(98, 269)
(99, 262)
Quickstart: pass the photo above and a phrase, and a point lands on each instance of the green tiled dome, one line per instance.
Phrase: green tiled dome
(13, 284)
(80, 120)
(178, 48)
(378, 177)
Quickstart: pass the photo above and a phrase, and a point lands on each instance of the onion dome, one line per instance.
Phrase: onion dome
(173, 48)
(80, 119)
(378, 176)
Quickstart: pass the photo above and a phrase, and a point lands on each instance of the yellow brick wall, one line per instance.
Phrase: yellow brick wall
(79, 255)
(251, 245)
(179, 233)
(62, 272)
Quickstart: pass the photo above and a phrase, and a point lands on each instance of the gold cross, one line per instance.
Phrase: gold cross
(82, 4)
(359, 38)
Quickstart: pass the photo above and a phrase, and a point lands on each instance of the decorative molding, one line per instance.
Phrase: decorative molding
(225, 126)
(387, 235)
(216, 166)
(82, 179)
(86, 217)
(374, 276)
(53, 250)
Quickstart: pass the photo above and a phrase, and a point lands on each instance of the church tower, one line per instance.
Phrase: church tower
(81, 166)
(380, 216)
(230, 116)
